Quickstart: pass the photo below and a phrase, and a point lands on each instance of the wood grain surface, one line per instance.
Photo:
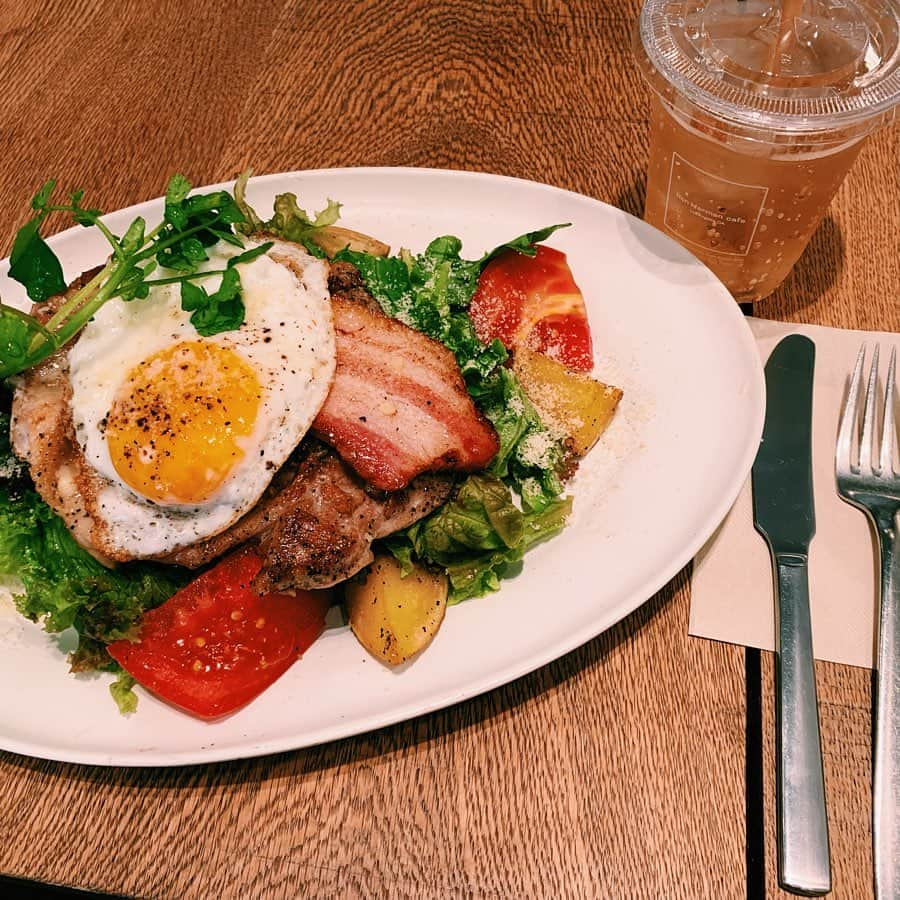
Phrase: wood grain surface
(617, 771)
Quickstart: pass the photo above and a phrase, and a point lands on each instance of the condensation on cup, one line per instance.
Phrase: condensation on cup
(759, 110)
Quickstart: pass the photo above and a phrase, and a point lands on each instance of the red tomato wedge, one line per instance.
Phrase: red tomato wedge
(215, 645)
(534, 301)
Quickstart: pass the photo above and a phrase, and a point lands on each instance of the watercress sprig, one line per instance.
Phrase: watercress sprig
(179, 243)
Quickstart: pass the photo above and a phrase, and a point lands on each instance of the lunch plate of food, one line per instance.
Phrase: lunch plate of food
(297, 456)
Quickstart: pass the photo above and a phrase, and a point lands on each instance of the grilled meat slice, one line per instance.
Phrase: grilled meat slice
(345, 282)
(398, 405)
(316, 525)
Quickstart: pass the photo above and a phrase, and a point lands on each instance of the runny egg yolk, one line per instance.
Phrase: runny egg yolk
(176, 425)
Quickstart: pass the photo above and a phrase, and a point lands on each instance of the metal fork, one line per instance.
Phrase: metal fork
(874, 486)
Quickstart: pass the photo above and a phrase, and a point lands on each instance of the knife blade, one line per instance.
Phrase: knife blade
(783, 512)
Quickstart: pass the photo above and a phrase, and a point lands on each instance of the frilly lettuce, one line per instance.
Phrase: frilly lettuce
(63, 585)
(478, 536)
(288, 220)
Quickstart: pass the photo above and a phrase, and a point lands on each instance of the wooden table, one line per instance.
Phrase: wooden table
(617, 771)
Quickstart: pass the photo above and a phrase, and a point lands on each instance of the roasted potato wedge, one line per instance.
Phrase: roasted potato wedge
(575, 404)
(395, 617)
(332, 238)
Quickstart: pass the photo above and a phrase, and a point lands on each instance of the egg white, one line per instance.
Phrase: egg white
(287, 338)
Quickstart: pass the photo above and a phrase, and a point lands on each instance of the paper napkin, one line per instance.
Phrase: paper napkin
(732, 591)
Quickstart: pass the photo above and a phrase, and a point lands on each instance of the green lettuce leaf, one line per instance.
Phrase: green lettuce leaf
(479, 536)
(524, 243)
(63, 585)
(122, 690)
(530, 456)
(288, 220)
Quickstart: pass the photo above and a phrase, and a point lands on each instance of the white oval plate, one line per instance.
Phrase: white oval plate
(662, 479)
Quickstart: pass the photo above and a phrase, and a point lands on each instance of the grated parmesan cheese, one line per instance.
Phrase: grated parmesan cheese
(537, 449)
(515, 405)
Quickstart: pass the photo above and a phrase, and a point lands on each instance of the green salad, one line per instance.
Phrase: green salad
(477, 537)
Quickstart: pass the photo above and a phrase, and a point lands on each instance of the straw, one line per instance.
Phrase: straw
(790, 9)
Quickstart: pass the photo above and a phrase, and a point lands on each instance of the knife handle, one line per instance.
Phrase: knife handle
(803, 854)
(886, 684)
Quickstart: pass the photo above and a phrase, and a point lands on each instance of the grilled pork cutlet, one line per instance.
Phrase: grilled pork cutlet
(316, 525)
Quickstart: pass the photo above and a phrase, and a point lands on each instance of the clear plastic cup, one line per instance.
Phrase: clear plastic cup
(759, 110)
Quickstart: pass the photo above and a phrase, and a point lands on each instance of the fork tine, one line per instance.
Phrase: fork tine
(849, 417)
(869, 414)
(888, 435)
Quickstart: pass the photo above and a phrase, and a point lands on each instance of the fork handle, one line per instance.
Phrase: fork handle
(803, 853)
(886, 690)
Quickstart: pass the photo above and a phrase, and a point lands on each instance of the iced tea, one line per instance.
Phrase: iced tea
(745, 210)
(759, 109)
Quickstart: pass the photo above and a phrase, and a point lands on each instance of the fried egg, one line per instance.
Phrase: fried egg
(185, 432)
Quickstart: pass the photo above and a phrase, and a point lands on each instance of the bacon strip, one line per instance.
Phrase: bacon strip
(398, 406)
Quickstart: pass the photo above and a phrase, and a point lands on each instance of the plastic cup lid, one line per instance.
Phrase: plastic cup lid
(784, 65)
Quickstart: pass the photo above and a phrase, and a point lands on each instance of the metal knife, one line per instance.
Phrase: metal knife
(783, 513)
